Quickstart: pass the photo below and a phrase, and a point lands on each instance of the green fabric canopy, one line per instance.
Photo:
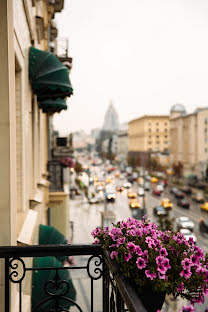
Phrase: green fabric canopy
(56, 292)
(49, 77)
(52, 105)
(50, 235)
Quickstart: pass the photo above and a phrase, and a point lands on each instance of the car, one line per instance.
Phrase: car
(164, 182)
(188, 234)
(156, 192)
(134, 204)
(198, 197)
(110, 196)
(204, 206)
(108, 180)
(187, 190)
(154, 179)
(166, 203)
(160, 211)
(173, 190)
(160, 187)
(140, 191)
(146, 186)
(127, 185)
(140, 180)
(183, 203)
(119, 188)
(184, 223)
(94, 200)
(132, 194)
(179, 195)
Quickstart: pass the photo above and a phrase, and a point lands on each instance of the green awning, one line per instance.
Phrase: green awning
(52, 105)
(50, 235)
(49, 77)
(47, 289)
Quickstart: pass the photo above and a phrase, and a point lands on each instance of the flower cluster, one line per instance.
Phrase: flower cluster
(165, 261)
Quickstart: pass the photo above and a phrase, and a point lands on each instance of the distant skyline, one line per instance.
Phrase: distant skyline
(144, 55)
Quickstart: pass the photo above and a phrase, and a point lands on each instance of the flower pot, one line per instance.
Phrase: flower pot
(151, 300)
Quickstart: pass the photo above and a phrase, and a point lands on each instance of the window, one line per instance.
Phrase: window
(149, 130)
(149, 136)
(157, 124)
(165, 142)
(166, 136)
(205, 150)
(205, 121)
(205, 130)
(149, 142)
(166, 130)
(149, 124)
(157, 130)
(165, 124)
(157, 142)
(157, 136)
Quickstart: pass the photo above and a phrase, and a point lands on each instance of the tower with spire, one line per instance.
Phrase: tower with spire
(111, 122)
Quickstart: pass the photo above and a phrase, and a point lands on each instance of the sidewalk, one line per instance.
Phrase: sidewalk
(85, 218)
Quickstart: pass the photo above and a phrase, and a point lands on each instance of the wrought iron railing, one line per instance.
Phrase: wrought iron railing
(115, 292)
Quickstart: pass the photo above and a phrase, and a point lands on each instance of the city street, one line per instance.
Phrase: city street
(86, 217)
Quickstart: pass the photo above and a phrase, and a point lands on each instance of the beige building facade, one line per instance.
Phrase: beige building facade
(24, 185)
(189, 139)
(149, 134)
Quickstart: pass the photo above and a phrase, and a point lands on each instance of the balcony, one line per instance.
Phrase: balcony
(107, 285)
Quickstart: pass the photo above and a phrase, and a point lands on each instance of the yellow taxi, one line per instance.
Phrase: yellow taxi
(166, 203)
(204, 206)
(154, 179)
(132, 194)
(108, 180)
(140, 180)
(134, 204)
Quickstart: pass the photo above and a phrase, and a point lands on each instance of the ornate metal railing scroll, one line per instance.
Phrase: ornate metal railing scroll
(116, 295)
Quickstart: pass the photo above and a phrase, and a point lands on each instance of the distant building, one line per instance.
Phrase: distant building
(122, 149)
(111, 122)
(189, 139)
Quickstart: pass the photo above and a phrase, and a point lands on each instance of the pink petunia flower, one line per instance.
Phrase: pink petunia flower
(141, 264)
(185, 273)
(150, 275)
(127, 257)
(187, 309)
(180, 287)
(113, 254)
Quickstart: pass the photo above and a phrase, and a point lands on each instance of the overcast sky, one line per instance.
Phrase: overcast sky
(144, 55)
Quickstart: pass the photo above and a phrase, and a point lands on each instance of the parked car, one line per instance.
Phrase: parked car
(198, 197)
(110, 196)
(183, 203)
(141, 191)
(173, 190)
(146, 186)
(156, 192)
(134, 204)
(204, 206)
(160, 211)
(166, 203)
(188, 234)
(132, 194)
(187, 190)
(119, 188)
(94, 200)
(179, 195)
(184, 223)
(127, 185)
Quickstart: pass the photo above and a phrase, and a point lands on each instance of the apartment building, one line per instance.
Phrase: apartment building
(27, 34)
(189, 139)
(148, 134)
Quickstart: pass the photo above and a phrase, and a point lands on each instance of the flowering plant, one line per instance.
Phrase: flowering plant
(164, 261)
